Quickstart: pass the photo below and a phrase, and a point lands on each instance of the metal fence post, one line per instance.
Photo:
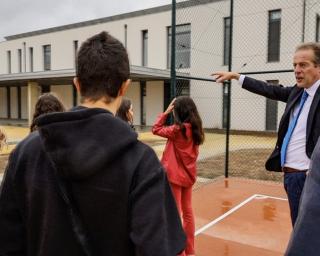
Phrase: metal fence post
(173, 52)
(173, 79)
(226, 174)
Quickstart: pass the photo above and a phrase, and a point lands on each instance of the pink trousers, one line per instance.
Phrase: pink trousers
(183, 198)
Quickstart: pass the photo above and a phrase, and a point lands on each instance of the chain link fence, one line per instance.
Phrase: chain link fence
(258, 40)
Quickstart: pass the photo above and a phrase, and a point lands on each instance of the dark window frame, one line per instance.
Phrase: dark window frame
(145, 37)
(46, 50)
(8, 102)
(143, 94)
(269, 105)
(226, 40)
(31, 59)
(19, 52)
(224, 105)
(8, 114)
(318, 28)
(9, 62)
(75, 51)
(183, 46)
(183, 88)
(274, 36)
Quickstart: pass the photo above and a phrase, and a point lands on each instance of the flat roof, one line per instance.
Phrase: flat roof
(153, 10)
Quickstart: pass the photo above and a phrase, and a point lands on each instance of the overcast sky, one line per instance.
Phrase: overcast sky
(19, 16)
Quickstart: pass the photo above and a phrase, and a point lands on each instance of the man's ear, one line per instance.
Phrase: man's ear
(76, 83)
(124, 87)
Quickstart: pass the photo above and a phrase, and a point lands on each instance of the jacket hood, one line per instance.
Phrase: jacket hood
(84, 141)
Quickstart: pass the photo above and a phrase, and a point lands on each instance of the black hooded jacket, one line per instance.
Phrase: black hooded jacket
(118, 188)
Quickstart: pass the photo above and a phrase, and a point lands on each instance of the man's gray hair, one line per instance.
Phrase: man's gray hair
(315, 47)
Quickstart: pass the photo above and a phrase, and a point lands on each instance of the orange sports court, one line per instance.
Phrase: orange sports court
(241, 217)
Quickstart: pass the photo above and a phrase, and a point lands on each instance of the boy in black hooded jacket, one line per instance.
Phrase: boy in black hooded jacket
(83, 184)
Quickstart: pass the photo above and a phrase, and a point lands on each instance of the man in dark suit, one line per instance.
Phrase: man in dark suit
(299, 127)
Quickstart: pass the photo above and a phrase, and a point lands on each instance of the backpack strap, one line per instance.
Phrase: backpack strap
(77, 224)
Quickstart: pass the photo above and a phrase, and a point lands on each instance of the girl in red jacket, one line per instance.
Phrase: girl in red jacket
(180, 156)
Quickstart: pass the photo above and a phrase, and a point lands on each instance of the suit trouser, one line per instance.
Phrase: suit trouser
(293, 184)
(183, 198)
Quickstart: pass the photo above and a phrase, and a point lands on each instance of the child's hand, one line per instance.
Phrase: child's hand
(170, 107)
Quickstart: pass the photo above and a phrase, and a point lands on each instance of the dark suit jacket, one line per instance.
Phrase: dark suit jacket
(290, 95)
(306, 233)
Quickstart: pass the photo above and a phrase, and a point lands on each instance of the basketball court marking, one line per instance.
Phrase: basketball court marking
(215, 221)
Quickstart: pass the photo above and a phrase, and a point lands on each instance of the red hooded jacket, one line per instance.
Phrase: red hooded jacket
(180, 154)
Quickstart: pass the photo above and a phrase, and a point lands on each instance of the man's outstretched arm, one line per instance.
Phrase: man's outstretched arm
(222, 76)
(271, 91)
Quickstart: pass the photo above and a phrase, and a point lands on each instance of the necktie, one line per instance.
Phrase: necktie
(291, 127)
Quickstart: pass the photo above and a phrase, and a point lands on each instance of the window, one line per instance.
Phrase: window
(274, 35)
(47, 57)
(9, 62)
(145, 48)
(19, 60)
(125, 35)
(225, 106)
(183, 88)
(24, 57)
(75, 50)
(15, 102)
(143, 94)
(3, 102)
(226, 41)
(183, 45)
(31, 59)
(14, 107)
(271, 111)
(318, 28)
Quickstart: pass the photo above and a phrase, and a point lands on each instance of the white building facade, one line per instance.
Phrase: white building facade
(264, 38)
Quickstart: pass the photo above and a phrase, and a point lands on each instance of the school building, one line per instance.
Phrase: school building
(265, 34)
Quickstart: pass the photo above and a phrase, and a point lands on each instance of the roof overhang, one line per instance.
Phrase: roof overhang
(65, 76)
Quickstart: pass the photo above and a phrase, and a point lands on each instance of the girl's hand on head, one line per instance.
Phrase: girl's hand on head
(170, 107)
(130, 117)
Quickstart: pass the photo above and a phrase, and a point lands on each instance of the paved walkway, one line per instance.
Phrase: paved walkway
(14, 134)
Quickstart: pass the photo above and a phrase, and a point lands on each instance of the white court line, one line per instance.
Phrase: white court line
(215, 221)
(259, 196)
(224, 215)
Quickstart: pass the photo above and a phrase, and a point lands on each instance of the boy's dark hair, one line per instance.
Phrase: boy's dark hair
(124, 109)
(185, 111)
(47, 103)
(102, 67)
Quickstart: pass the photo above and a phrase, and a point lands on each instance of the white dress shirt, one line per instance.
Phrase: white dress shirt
(296, 156)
